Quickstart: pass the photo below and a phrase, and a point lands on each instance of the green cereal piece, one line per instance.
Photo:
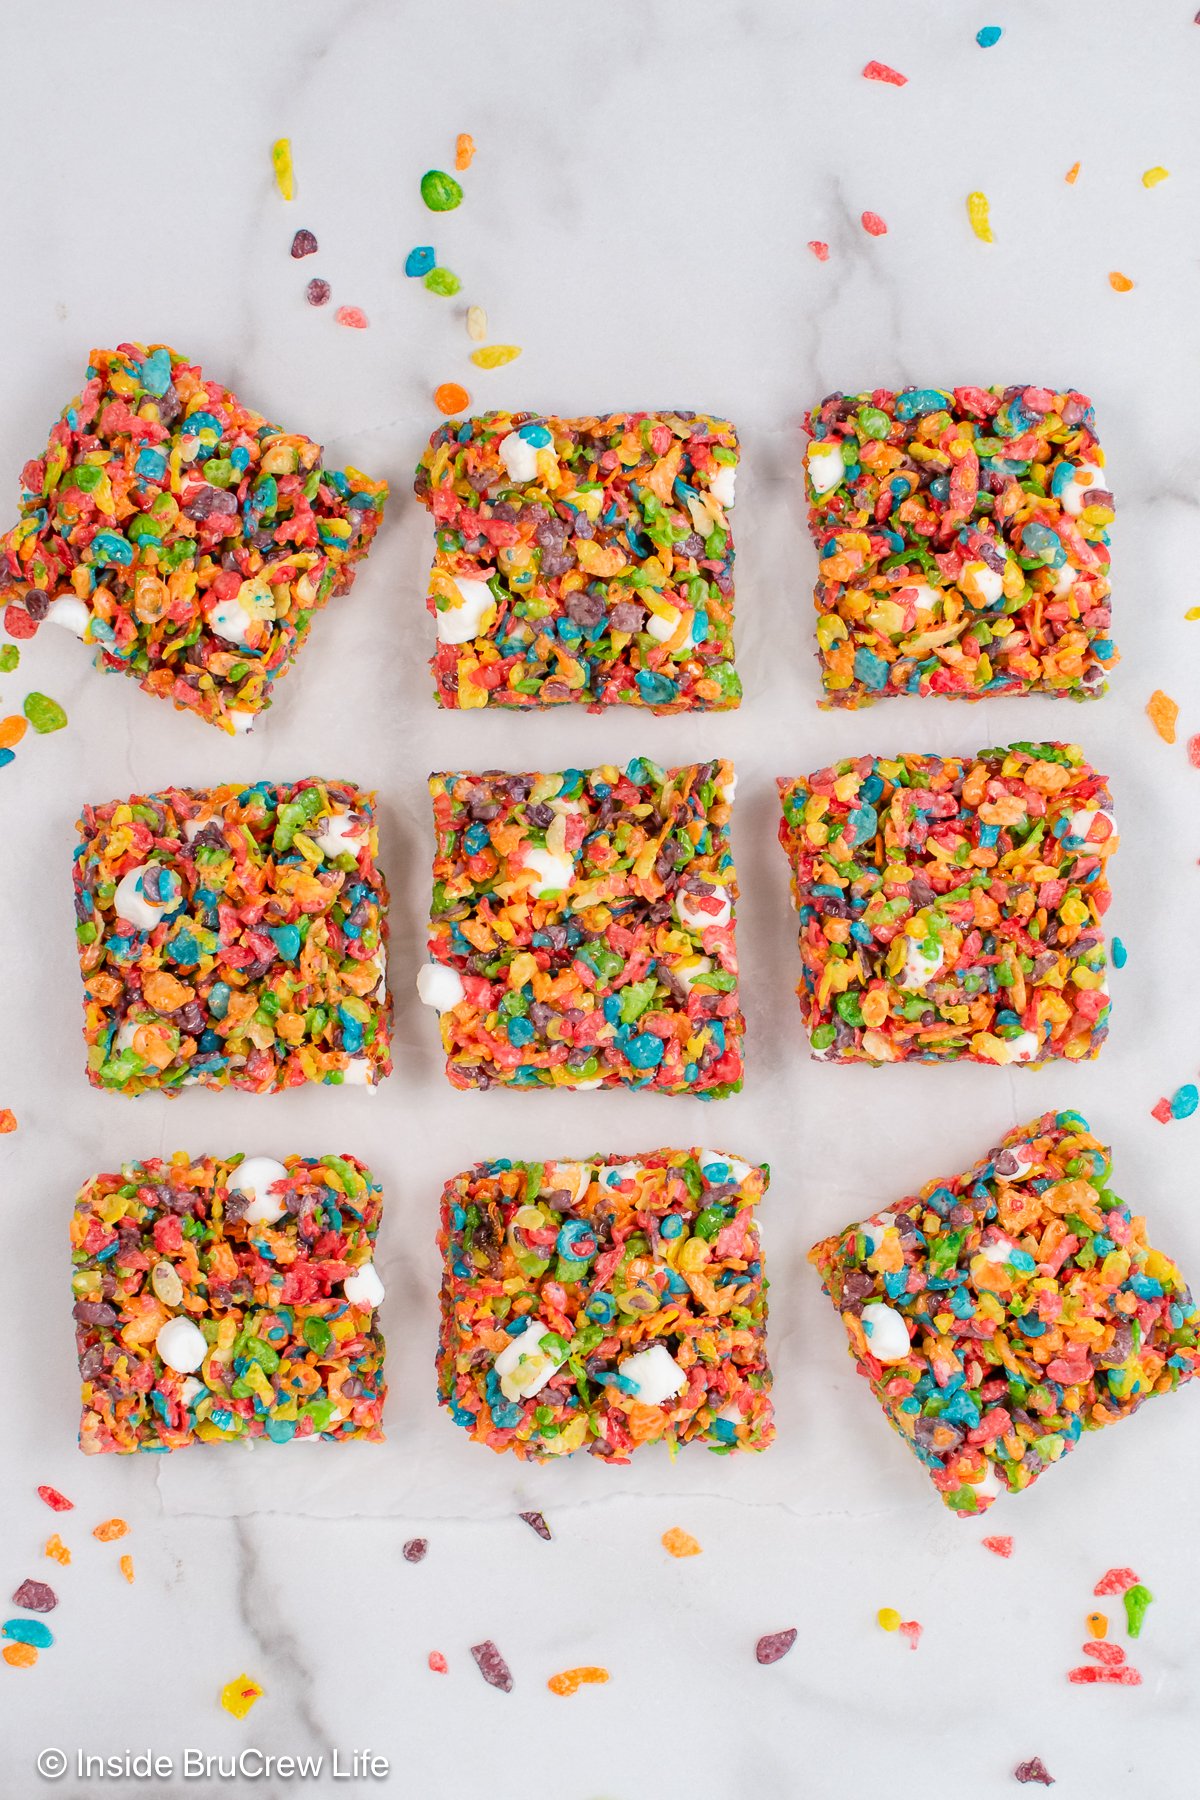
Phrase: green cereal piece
(1137, 1602)
(43, 713)
(10, 656)
(442, 281)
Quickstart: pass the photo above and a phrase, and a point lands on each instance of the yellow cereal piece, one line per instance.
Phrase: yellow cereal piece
(1153, 176)
(978, 214)
(888, 1618)
(494, 356)
(281, 162)
(239, 1695)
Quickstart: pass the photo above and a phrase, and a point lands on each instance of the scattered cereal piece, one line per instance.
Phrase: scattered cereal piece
(569, 1681)
(977, 213)
(450, 398)
(1115, 1581)
(28, 1631)
(1161, 1110)
(1193, 750)
(442, 281)
(535, 1522)
(54, 1500)
(439, 191)
(1163, 712)
(415, 1549)
(1097, 1624)
(238, 1696)
(125, 1564)
(494, 356)
(999, 1546)
(6, 757)
(8, 1120)
(888, 1618)
(492, 1666)
(476, 324)
(19, 1656)
(1185, 1101)
(774, 1645)
(464, 151)
(1125, 1676)
(12, 730)
(110, 1530)
(1034, 1770)
(317, 292)
(1193, 612)
(353, 316)
(987, 35)
(304, 244)
(877, 71)
(43, 713)
(18, 623)
(1119, 283)
(437, 1662)
(871, 222)
(819, 248)
(10, 656)
(1111, 1655)
(281, 162)
(1120, 954)
(912, 1631)
(421, 260)
(1072, 174)
(35, 1596)
(1153, 176)
(680, 1543)
(57, 1550)
(1137, 1603)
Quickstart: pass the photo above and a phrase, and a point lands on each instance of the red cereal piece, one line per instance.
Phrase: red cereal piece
(492, 1666)
(1161, 1111)
(774, 1645)
(819, 249)
(872, 223)
(877, 71)
(18, 623)
(353, 316)
(912, 1631)
(535, 1522)
(437, 1662)
(1115, 1581)
(999, 1546)
(59, 1503)
(1033, 1770)
(1127, 1676)
(1193, 750)
(1111, 1655)
(414, 1550)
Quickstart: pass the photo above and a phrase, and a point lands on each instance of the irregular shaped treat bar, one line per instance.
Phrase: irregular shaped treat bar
(585, 560)
(963, 539)
(185, 537)
(582, 929)
(227, 1298)
(951, 907)
(605, 1304)
(1000, 1314)
(234, 937)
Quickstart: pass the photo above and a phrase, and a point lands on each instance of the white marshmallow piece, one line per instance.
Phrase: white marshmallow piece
(663, 626)
(886, 1332)
(712, 1162)
(242, 722)
(553, 874)
(697, 917)
(70, 612)
(825, 467)
(1086, 477)
(256, 1177)
(998, 1251)
(688, 972)
(986, 582)
(728, 789)
(873, 1230)
(523, 1367)
(131, 902)
(919, 969)
(229, 620)
(360, 1072)
(459, 624)
(1025, 1047)
(657, 1375)
(439, 987)
(519, 457)
(340, 833)
(568, 1177)
(364, 1288)
(181, 1344)
(722, 484)
(619, 1172)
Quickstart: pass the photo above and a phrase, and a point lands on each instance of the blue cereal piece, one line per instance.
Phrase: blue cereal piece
(418, 262)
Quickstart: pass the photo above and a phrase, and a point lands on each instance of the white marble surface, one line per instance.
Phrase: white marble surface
(647, 178)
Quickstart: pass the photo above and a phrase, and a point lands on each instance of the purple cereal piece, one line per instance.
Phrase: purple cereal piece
(535, 1522)
(414, 1550)
(1034, 1770)
(769, 1649)
(492, 1666)
(35, 1596)
(304, 244)
(317, 292)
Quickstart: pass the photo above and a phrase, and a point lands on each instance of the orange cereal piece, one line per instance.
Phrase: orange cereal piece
(1119, 283)
(57, 1550)
(1097, 1625)
(126, 1567)
(8, 1120)
(1072, 174)
(679, 1543)
(12, 730)
(464, 150)
(569, 1681)
(451, 398)
(110, 1530)
(1163, 712)
(19, 1656)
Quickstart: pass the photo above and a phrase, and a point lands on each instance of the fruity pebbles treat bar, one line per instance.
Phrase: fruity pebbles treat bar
(963, 539)
(234, 937)
(583, 559)
(951, 907)
(227, 1298)
(185, 537)
(1000, 1314)
(582, 929)
(606, 1304)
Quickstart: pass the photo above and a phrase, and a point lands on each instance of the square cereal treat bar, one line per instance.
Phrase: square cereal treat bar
(186, 538)
(227, 1298)
(951, 907)
(585, 560)
(234, 937)
(606, 1304)
(582, 929)
(1000, 1314)
(963, 539)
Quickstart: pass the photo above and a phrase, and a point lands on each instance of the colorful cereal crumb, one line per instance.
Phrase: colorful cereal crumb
(569, 1681)
(304, 244)
(877, 71)
(420, 260)
(19, 1656)
(1185, 1100)
(872, 223)
(494, 356)
(450, 398)
(352, 316)
(536, 1523)
(1097, 1624)
(1161, 1110)
(999, 1546)
(1153, 176)
(56, 1550)
(492, 1666)
(317, 292)
(8, 1120)
(10, 656)
(36, 1596)
(987, 35)
(415, 1549)
(1125, 1676)
(18, 623)
(1115, 1581)
(1193, 612)
(1119, 283)
(1193, 750)
(125, 1565)
(1110, 1656)
(1163, 712)
(819, 248)
(239, 1695)
(680, 1543)
(43, 713)
(888, 1618)
(1137, 1603)
(6, 756)
(110, 1531)
(439, 191)
(1120, 955)
(12, 730)
(464, 151)
(442, 281)
(910, 1630)
(775, 1645)
(281, 162)
(54, 1500)
(1072, 174)
(27, 1631)
(437, 1662)
(977, 213)
(476, 324)
(1034, 1770)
